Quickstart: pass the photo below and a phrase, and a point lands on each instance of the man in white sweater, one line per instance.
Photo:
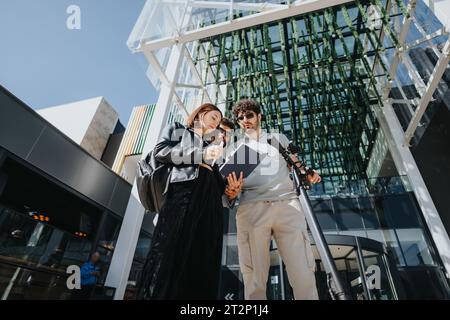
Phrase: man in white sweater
(268, 206)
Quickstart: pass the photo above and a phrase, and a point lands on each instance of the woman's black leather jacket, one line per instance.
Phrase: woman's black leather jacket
(181, 147)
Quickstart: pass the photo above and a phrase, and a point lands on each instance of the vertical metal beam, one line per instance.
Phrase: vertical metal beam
(129, 232)
(283, 289)
(384, 258)
(401, 40)
(362, 269)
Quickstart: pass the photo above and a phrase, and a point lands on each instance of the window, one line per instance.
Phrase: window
(133, 280)
(347, 213)
(105, 261)
(324, 211)
(400, 211)
(109, 232)
(143, 246)
(23, 240)
(368, 213)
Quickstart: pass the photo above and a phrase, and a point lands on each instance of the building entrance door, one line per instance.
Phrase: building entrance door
(364, 266)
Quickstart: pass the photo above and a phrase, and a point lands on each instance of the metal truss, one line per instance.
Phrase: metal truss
(315, 68)
(313, 76)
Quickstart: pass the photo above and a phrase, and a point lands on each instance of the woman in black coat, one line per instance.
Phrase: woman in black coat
(184, 261)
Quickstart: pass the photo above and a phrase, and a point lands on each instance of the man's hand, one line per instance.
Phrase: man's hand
(234, 186)
(314, 178)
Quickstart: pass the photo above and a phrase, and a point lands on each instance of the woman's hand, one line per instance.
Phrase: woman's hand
(213, 152)
(314, 178)
(234, 186)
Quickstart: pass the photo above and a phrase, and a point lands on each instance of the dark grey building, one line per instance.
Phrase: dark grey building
(58, 205)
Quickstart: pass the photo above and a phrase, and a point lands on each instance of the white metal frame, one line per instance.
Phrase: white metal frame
(427, 37)
(401, 55)
(397, 55)
(163, 77)
(122, 259)
(257, 7)
(275, 13)
(436, 76)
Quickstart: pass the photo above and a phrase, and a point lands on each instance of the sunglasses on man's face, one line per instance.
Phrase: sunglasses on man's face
(249, 115)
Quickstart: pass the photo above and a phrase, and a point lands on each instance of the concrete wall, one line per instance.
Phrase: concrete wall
(88, 123)
(72, 119)
(99, 130)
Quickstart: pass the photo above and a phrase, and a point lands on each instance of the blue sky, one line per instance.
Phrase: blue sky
(44, 63)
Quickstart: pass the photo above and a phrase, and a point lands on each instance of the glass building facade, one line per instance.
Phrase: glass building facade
(391, 218)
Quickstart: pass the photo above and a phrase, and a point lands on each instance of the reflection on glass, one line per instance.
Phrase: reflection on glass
(360, 187)
(390, 219)
(27, 241)
(414, 247)
(379, 281)
(109, 232)
(42, 252)
(354, 278)
(274, 287)
(143, 246)
(347, 213)
(324, 213)
(26, 284)
(368, 213)
(229, 251)
(105, 260)
(133, 280)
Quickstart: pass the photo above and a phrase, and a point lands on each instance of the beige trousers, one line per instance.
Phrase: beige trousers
(256, 223)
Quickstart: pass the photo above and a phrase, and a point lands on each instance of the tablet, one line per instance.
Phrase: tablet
(243, 159)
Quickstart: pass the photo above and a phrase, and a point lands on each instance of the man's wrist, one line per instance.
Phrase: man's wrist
(233, 196)
(301, 166)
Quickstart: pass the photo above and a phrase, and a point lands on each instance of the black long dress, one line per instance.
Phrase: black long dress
(185, 256)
